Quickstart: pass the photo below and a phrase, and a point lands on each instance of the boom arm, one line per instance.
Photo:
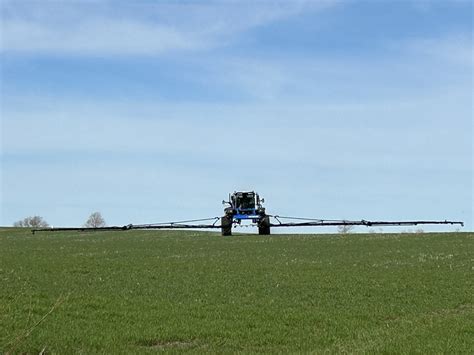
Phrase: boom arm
(166, 225)
(302, 222)
(309, 222)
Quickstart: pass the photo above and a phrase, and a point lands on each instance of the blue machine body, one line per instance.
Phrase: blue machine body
(252, 215)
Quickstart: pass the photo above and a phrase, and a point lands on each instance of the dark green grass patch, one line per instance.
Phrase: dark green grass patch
(150, 291)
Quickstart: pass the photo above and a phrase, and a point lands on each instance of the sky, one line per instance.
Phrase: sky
(153, 111)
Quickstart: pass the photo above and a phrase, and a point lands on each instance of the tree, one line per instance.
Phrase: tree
(95, 220)
(32, 222)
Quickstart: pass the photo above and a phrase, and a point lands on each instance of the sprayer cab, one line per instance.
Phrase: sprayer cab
(244, 205)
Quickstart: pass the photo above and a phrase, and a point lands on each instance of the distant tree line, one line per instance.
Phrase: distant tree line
(95, 220)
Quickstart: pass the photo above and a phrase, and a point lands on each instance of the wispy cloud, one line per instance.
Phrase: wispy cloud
(105, 28)
(205, 131)
(98, 37)
(455, 48)
(423, 65)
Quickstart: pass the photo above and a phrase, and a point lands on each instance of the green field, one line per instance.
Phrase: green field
(150, 291)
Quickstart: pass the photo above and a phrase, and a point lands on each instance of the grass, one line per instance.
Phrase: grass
(150, 291)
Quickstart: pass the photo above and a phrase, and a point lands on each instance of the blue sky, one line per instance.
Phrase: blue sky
(152, 111)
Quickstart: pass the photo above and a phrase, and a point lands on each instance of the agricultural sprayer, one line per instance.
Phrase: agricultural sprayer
(247, 205)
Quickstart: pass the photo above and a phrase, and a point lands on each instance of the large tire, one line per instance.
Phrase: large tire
(264, 226)
(226, 225)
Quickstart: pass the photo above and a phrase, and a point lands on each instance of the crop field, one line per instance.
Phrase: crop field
(187, 291)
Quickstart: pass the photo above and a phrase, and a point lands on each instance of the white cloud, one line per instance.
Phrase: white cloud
(102, 28)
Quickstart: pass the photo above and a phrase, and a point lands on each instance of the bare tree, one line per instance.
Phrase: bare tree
(32, 222)
(344, 229)
(95, 220)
